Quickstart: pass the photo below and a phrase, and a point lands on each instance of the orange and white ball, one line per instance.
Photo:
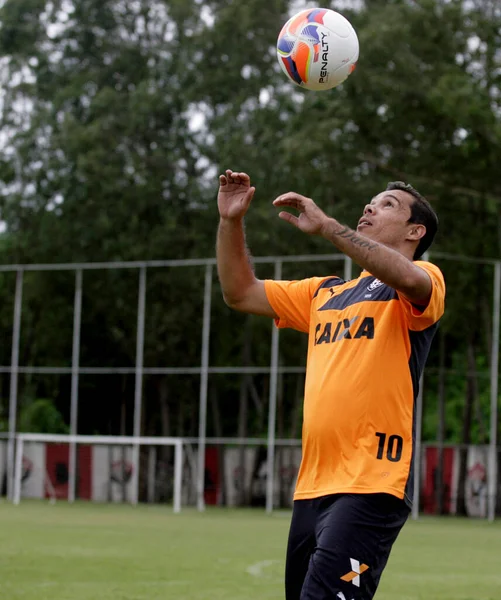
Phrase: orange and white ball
(317, 49)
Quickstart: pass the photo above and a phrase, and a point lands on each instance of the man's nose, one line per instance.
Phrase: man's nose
(368, 209)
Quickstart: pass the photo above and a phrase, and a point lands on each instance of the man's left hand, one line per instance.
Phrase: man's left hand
(311, 219)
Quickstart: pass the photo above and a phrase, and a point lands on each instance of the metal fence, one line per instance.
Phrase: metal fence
(204, 369)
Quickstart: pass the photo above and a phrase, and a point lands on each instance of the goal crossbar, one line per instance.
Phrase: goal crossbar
(73, 440)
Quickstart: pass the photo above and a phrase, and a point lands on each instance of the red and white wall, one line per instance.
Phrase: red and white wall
(105, 474)
(475, 484)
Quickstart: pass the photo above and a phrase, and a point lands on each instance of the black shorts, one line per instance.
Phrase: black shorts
(339, 545)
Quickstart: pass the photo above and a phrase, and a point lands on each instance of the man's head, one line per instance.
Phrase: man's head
(400, 218)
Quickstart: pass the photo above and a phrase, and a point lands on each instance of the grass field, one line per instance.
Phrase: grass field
(103, 552)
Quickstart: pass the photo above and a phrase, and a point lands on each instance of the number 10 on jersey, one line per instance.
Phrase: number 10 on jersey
(390, 447)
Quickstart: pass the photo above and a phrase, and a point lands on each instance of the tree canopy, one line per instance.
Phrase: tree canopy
(117, 116)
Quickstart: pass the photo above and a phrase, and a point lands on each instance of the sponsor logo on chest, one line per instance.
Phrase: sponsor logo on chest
(355, 328)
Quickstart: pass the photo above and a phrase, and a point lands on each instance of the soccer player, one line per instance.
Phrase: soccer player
(368, 342)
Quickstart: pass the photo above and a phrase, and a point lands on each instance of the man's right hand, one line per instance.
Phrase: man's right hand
(241, 290)
(235, 195)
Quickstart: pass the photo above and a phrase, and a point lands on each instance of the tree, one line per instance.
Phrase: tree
(41, 416)
(117, 118)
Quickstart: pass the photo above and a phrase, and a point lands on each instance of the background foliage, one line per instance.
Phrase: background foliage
(117, 116)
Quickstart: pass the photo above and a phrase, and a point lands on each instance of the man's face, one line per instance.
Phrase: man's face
(386, 217)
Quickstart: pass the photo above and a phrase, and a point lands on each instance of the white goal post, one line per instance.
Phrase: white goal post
(72, 441)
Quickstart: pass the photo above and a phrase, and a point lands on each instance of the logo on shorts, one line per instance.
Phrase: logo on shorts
(356, 570)
(341, 596)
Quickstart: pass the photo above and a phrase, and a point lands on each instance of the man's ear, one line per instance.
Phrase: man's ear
(416, 232)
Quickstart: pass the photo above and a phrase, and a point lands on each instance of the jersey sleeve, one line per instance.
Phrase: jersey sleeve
(419, 317)
(291, 300)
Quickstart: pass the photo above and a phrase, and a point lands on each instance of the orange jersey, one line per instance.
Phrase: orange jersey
(367, 349)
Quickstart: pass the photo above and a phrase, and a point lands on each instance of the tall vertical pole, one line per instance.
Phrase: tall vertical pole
(138, 389)
(492, 480)
(418, 432)
(348, 268)
(439, 492)
(18, 471)
(14, 370)
(75, 365)
(204, 379)
(272, 413)
(417, 449)
(152, 464)
(178, 475)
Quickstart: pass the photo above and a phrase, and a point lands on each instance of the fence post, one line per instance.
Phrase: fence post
(75, 364)
(138, 389)
(204, 377)
(348, 268)
(18, 471)
(493, 459)
(178, 476)
(272, 413)
(14, 370)
(418, 424)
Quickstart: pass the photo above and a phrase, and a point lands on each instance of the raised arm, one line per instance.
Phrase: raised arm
(388, 265)
(242, 291)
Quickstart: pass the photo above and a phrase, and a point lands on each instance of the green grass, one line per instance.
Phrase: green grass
(103, 552)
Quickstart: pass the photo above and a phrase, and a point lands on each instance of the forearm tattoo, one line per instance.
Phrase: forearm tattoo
(351, 235)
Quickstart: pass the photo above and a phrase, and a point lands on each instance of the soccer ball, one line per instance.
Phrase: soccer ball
(317, 49)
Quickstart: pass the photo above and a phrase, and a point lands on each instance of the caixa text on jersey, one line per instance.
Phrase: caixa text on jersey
(345, 329)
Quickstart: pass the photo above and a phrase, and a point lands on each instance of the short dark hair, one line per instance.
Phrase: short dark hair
(421, 213)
